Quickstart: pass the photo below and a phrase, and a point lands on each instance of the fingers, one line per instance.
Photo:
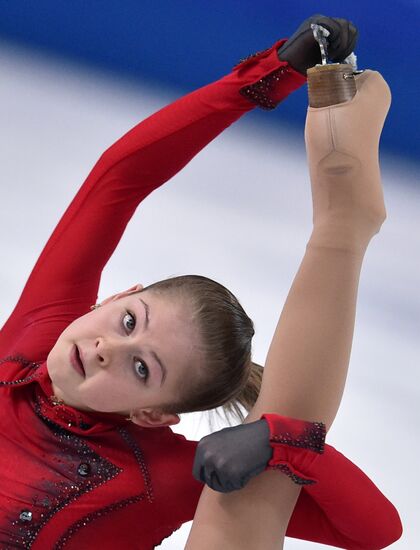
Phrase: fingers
(343, 38)
(219, 482)
(354, 36)
(214, 480)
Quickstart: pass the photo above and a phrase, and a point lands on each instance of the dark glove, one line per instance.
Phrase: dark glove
(302, 51)
(226, 460)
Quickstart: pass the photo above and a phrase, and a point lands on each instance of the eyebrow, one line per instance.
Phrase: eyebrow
(152, 353)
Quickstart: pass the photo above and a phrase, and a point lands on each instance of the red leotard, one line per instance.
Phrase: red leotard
(77, 480)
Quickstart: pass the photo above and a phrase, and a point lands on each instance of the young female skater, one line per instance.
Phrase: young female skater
(75, 473)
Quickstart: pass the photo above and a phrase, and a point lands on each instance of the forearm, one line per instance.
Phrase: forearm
(344, 508)
(339, 504)
(70, 266)
(158, 147)
(254, 518)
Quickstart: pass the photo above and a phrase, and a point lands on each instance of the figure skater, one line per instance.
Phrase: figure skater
(75, 473)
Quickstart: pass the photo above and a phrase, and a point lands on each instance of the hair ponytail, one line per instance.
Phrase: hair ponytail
(245, 400)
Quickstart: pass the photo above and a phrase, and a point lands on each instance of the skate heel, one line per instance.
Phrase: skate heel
(330, 84)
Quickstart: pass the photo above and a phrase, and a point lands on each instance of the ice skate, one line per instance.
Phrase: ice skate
(342, 144)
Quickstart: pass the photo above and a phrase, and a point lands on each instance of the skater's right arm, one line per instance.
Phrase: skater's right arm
(338, 505)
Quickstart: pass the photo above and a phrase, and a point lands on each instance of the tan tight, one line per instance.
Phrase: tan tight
(307, 363)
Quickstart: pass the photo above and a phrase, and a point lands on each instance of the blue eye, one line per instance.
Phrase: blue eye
(145, 369)
(133, 317)
(144, 376)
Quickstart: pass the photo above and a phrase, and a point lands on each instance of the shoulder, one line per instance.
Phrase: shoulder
(178, 441)
(156, 440)
(170, 458)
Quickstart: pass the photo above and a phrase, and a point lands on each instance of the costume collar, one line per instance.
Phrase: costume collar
(70, 418)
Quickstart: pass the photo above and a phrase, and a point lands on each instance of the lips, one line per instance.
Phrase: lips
(76, 361)
(79, 357)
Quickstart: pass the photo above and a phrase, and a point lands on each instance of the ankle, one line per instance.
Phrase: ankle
(339, 235)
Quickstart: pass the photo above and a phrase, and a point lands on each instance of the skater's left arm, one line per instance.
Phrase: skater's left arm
(65, 279)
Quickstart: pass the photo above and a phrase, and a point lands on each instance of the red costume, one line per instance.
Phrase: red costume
(77, 480)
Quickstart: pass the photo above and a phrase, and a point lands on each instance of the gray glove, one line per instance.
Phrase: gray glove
(302, 51)
(226, 460)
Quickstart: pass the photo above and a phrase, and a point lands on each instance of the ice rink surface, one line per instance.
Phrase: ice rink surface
(239, 213)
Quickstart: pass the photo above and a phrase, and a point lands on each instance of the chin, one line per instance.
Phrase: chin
(50, 367)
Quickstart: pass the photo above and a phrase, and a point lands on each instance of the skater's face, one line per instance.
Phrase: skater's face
(138, 349)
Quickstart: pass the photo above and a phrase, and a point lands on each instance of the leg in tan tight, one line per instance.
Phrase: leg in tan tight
(307, 363)
(342, 144)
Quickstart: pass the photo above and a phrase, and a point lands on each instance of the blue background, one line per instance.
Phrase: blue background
(190, 43)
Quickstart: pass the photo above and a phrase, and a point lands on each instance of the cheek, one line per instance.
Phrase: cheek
(76, 331)
(104, 393)
(80, 327)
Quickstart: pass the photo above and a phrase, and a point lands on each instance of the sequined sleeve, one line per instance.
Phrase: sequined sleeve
(338, 504)
(295, 445)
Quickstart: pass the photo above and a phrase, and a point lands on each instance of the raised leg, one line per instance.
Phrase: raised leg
(307, 363)
(308, 359)
(342, 145)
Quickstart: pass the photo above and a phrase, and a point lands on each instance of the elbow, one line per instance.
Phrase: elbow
(392, 532)
(388, 529)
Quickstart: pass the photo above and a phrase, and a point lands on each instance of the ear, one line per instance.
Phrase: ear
(152, 418)
(132, 290)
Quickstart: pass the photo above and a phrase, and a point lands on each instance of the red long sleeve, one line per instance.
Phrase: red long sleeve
(65, 279)
(339, 505)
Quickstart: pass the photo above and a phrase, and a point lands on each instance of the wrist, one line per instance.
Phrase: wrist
(301, 69)
(268, 80)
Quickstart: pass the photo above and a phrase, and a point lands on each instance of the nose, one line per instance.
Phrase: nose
(106, 352)
(112, 352)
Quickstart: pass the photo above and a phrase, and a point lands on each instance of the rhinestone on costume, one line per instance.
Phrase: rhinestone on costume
(295, 478)
(259, 91)
(84, 469)
(56, 400)
(84, 426)
(78, 469)
(312, 437)
(26, 515)
(25, 363)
